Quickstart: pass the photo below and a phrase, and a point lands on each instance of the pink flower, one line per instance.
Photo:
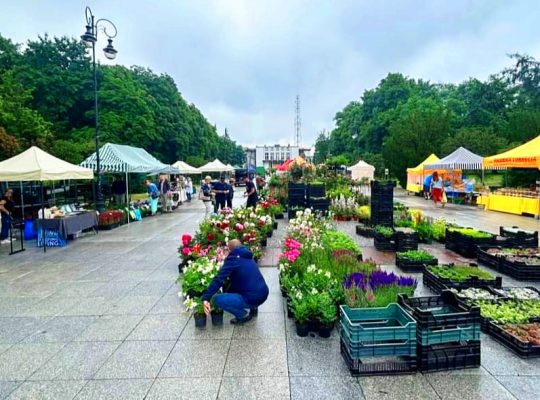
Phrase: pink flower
(186, 251)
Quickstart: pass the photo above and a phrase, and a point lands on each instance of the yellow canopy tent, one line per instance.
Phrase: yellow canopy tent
(525, 156)
(415, 176)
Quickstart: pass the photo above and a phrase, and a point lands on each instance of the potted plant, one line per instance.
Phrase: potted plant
(197, 306)
(216, 314)
(300, 311)
(327, 315)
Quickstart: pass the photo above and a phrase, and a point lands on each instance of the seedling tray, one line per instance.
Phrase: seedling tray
(466, 245)
(442, 319)
(519, 238)
(408, 265)
(364, 230)
(438, 284)
(371, 332)
(377, 365)
(522, 349)
(487, 259)
(519, 270)
(406, 240)
(450, 356)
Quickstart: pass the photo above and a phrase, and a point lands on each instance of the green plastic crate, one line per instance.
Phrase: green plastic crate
(373, 332)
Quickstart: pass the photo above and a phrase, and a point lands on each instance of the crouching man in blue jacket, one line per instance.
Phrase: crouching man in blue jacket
(247, 289)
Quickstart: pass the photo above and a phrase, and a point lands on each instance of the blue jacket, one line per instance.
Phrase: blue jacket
(245, 278)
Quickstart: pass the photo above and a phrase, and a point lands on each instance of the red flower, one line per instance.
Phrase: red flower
(261, 223)
(211, 236)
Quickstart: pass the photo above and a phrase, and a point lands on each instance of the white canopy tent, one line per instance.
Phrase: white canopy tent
(362, 170)
(216, 166)
(35, 164)
(185, 168)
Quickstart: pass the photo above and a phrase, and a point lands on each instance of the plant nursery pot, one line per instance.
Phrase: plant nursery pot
(325, 330)
(269, 234)
(313, 326)
(192, 293)
(348, 218)
(200, 320)
(302, 329)
(217, 319)
(275, 224)
(278, 216)
(289, 310)
(263, 242)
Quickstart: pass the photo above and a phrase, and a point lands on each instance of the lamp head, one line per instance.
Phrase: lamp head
(89, 38)
(109, 51)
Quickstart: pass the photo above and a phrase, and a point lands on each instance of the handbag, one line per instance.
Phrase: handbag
(203, 197)
(444, 198)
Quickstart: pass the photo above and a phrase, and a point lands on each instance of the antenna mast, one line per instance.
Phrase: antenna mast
(298, 123)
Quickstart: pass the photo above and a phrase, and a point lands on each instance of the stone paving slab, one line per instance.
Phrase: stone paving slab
(127, 335)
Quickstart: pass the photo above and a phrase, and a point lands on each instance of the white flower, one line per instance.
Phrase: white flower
(311, 268)
(328, 274)
(314, 291)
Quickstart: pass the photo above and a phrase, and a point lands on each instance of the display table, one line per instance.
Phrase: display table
(70, 224)
(414, 188)
(510, 204)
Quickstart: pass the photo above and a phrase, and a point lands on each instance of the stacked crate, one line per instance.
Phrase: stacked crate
(516, 237)
(382, 203)
(296, 197)
(448, 331)
(316, 198)
(378, 341)
(406, 239)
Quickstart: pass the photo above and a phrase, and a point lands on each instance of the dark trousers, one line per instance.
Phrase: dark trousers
(6, 225)
(229, 202)
(251, 203)
(219, 203)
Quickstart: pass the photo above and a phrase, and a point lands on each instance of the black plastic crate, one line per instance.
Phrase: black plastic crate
(406, 239)
(450, 356)
(437, 284)
(409, 265)
(316, 191)
(487, 259)
(519, 270)
(377, 365)
(442, 319)
(466, 245)
(364, 230)
(522, 349)
(383, 243)
(519, 238)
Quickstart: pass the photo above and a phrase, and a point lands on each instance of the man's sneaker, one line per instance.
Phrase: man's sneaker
(254, 312)
(5, 241)
(240, 321)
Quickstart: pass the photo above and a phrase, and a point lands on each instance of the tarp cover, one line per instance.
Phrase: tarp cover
(362, 170)
(525, 156)
(215, 166)
(459, 159)
(185, 168)
(122, 158)
(35, 164)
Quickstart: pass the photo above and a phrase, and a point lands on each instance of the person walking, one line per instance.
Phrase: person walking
(205, 194)
(427, 186)
(164, 189)
(154, 195)
(230, 195)
(247, 289)
(189, 189)
(221, 191)
(437, 189)
(250, 193)
(7, 206)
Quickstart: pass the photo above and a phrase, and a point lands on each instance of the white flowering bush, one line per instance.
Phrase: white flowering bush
(197, 276)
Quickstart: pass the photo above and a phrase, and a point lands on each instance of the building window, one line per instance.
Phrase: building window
(266, 156)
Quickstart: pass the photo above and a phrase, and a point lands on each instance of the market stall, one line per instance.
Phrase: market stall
(362, 170)
(456, 188)
(35, 164)
(123, 159)
(215, 166)
(515, 201)
(416, 175)
(186, 169)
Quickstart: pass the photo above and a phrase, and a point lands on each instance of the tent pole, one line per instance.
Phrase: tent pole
(43, 234)
(127, 194)
(22, 200)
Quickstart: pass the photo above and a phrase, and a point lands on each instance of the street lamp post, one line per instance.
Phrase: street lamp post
(90, 38)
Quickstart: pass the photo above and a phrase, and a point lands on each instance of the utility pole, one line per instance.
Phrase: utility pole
(298, 124)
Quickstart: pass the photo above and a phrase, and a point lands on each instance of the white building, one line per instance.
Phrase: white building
(269, 156)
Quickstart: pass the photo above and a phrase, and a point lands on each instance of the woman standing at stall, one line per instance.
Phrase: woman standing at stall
(154, 195)
(436, 188)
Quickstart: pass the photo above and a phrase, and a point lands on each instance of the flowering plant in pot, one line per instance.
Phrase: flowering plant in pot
(197, 276)
(196, 305)
(301, 312)
(326, 314)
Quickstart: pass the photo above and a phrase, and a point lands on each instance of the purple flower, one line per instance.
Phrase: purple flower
(406, 281)
(381, 278)
(356, 279)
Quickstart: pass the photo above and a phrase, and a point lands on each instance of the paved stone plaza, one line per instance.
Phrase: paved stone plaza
(101, 319)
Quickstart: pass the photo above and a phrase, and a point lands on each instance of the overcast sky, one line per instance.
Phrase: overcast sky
(243, 62)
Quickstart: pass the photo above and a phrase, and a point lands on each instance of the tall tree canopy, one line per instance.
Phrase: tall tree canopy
(400, 122)
(46, 98)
